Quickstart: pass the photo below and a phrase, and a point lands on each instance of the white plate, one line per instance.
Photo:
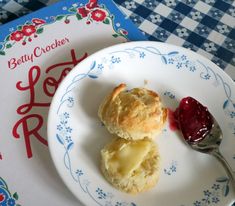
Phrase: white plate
(76, 135)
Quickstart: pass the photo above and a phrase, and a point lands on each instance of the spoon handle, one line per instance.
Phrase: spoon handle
(227, 167)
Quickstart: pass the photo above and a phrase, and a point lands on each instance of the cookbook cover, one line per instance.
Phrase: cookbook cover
(36, 52)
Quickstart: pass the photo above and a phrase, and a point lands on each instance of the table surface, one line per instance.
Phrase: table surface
(207, 27)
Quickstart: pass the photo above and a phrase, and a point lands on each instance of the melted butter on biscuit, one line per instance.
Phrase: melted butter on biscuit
(126, 157)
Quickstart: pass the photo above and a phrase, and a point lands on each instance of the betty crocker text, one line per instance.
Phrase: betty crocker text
(31, 122)
(37, 52)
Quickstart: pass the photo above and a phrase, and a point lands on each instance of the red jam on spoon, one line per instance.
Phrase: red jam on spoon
(193, 119)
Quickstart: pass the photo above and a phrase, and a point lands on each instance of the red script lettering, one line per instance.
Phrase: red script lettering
(31, 124)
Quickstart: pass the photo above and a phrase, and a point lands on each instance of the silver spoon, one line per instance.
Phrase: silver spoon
(210, 145)
(201, 130)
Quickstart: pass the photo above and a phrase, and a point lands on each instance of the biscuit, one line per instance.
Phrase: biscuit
(131, 166)
(133, 114)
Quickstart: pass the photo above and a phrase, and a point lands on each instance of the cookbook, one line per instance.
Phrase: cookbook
(36, 52)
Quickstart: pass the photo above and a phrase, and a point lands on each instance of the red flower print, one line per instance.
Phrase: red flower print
(16, 36)
(28, 30)
(82, 11)
(2, 197)
(38, 21)
(98, 15)
(92, 4)
(123, 31)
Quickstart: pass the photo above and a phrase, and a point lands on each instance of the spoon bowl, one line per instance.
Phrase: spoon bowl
(210, 145)
(211, 142)
(201, 131)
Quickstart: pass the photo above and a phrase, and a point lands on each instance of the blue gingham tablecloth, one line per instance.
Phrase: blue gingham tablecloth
(206, 27)
(12, 9)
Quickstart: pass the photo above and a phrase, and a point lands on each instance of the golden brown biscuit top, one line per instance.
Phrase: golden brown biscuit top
(137, 110)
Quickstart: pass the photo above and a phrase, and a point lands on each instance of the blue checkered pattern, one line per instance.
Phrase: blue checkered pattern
(12, 9)
(206, 27)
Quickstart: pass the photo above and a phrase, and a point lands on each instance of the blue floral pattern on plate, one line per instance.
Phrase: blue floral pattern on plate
(213, 195)
(100, 197)
(173, 59)
(171, 169)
